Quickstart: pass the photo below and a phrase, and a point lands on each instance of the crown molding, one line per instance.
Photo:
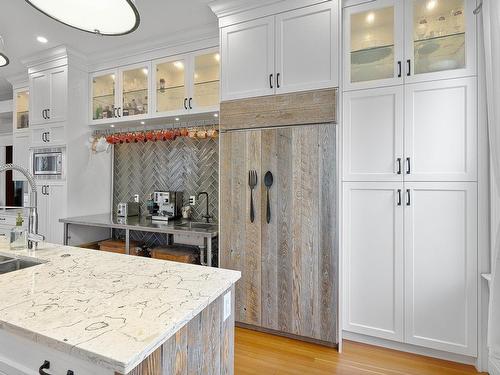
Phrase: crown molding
(231, 12)
(224, 8)
(57, 56)
(203, 37)
(18, 80)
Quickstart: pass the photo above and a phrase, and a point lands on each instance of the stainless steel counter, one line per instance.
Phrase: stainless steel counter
(143, 224)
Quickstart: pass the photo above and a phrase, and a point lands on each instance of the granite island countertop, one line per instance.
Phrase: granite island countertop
(110, 309)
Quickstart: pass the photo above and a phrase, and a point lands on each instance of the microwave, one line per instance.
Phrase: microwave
(48, 163)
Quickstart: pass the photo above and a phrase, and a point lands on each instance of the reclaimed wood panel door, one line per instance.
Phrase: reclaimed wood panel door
(298, 244)
(289, 265)
(240, 238)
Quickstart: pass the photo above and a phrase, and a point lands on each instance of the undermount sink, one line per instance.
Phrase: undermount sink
(196, 225)
(8, 264)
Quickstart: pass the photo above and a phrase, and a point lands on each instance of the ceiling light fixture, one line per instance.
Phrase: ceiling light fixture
(179, 65)
(370, 17)
(4, 60)
(217, 57)
(110, 17)
(42, 39)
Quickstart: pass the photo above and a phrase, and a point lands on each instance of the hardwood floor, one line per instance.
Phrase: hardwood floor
(262, 354)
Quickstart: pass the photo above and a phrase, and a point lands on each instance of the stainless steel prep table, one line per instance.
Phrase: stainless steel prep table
(143, 224)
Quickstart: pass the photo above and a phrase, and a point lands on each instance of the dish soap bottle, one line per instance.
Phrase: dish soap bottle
(18, 234)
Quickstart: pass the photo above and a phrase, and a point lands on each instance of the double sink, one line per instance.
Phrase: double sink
(8, 264)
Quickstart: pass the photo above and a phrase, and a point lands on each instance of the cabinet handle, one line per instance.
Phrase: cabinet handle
(185, 103)
(43, 113)
(119, 111)
(70, 372)
(278, 80)
(115, 115)
(271, 81)
(399, 197)
(408, 73)
(408, 197)
(190, 103)
(47, 191)
(408, 166)
(43, 137)
(44, 366)
(399, 165)
(399, 69)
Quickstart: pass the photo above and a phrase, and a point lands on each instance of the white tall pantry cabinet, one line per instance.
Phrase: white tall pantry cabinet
(410, 173)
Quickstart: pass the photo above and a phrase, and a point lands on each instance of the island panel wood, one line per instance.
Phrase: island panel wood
(298, 253)
(205, 346)
(309, 107)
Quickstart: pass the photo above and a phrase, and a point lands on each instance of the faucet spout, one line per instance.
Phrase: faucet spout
(33, 236)
(207, 215)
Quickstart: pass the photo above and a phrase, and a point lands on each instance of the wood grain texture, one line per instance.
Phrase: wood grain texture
(298, 254)
(205, 346)
(241, 243)
(259, 353)
(309, 107)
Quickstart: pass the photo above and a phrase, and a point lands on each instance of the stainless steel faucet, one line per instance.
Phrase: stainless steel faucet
(33, 236)
(207, 216)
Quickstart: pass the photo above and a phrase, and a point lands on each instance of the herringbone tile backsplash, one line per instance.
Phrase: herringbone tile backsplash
(185, 164)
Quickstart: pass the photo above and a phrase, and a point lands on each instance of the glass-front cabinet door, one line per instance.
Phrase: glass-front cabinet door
(170, 87)
(134, 91)
(373, 44)
(440, 39)
(103, 96)
(206, 82)
(21, 108)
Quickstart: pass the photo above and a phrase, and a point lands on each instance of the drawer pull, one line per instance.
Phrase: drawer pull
(45, 366)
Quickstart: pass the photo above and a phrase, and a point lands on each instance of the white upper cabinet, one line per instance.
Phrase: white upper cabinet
(248, 59)
(173, 86)
(373, 44)
(373, 261)
(440, 39)
(103, 96)
(441, 131)
(21, 109)
(307, 48)
(441, 266)
(48, 96)
(373, 134)
(134, 91)
(388, 42)
(187, 84)
(293, 51)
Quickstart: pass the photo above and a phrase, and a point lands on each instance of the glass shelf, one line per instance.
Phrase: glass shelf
(440, 53)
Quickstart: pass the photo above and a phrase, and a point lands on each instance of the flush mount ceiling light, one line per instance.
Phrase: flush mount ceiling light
(110, 17)
(4, 60)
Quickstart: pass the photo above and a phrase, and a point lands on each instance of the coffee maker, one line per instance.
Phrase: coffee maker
(167, 205)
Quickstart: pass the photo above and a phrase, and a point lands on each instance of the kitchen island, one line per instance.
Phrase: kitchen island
(79, 311)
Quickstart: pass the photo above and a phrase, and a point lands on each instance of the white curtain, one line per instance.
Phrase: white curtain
(491, 24)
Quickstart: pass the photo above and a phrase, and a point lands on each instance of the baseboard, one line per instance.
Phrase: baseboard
(287, 335)
(409, 348)
(494, 366)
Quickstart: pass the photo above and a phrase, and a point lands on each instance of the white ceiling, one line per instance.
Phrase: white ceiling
(20, 24)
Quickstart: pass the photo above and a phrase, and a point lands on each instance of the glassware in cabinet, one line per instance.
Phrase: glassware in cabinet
(103, 96)
(170, 86)
(134, 91)
(22, 109)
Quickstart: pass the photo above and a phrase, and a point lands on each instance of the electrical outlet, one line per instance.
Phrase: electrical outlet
(227, 305)
(136, 198)
(192, 200)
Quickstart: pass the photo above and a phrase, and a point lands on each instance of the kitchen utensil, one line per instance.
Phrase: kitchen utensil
(252, 182)
(268, 181)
